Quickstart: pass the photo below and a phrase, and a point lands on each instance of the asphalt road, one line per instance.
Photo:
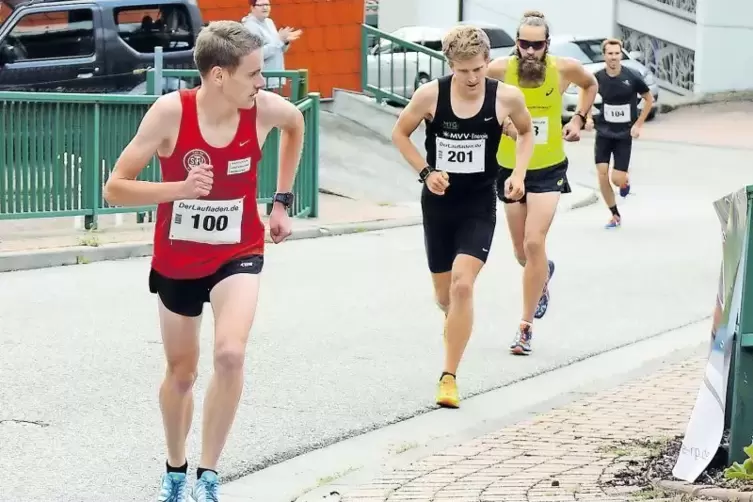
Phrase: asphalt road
(347, 338)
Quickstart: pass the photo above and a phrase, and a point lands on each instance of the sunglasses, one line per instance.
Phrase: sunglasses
(536, 45)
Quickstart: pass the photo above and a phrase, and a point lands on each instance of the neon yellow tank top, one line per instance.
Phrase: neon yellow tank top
(545, 105)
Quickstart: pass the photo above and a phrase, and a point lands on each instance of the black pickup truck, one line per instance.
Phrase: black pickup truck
(100, 46)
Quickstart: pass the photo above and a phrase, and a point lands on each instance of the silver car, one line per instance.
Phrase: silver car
(587, 50)
(392, 67)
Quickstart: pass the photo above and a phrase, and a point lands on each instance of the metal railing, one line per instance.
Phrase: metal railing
(57, 151)
(291, 84)
(393, 68)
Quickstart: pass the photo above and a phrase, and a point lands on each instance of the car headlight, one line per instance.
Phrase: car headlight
(572, 89)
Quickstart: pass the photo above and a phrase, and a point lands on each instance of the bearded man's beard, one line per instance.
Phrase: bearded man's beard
(531, 69)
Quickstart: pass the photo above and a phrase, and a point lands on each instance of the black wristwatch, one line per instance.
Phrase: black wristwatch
(425, 172)
(582, 117)
(284, 198)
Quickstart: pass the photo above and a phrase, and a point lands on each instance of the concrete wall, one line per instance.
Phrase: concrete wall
(724, 60)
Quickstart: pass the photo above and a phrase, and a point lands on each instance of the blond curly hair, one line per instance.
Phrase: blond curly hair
(465, 42)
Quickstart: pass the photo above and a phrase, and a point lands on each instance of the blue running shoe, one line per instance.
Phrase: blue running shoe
(207, 488)
(625, 190)
(174, 488)
(615, 222)
(544, 300)
(521, 345)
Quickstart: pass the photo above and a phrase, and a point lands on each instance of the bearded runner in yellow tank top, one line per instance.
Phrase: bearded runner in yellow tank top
(542, 79)
(545, 106)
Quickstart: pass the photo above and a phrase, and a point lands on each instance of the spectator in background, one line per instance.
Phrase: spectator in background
(276, 42)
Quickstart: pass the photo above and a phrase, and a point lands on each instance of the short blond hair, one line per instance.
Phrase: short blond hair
(610, 41)
(465, 42)
(223, 44)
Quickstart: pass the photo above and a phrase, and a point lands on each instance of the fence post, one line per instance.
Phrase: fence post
(364, 57)
(154, 86)
(90, 221)
(158, 66)
(273, 139)
(314, 128)
(150, 83)
(303, 84)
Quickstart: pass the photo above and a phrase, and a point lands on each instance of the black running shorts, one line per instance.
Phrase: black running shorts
(187, 297)
(548, 179)
(460, 226)
(619, 148)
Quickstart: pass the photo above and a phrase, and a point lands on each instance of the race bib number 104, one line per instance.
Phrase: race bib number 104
(618, 114)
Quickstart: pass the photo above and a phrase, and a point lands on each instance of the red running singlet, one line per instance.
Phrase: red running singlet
(193, 238)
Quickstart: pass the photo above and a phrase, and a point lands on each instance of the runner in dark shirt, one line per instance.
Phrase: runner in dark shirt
(618, 123)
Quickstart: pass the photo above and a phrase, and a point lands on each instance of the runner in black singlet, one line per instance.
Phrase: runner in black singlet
(463, 113)
(618, 124)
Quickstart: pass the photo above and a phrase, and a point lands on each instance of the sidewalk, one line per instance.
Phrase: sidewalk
(34, 234)
(568, 454)
(37, 243)
(715, 124)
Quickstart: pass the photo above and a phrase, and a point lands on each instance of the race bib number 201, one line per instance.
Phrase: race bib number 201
(461, 156)
(207, 221)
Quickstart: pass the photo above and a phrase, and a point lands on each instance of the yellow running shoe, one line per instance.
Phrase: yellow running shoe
(447, 395)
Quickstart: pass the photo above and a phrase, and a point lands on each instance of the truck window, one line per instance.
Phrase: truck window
(53, 35)
(145, 27)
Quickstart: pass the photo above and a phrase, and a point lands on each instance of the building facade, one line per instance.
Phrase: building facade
(691, 46)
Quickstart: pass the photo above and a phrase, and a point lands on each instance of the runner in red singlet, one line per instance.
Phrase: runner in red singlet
(209, 238)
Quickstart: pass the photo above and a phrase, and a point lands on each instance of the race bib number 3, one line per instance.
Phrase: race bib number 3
(207, 221)
(541, 130)
(464, 156)
(617, 114)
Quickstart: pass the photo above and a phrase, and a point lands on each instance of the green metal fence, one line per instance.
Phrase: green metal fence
(294, 87)
(393, 68)
(57, 151)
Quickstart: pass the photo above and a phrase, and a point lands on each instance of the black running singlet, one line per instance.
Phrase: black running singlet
(464, 148)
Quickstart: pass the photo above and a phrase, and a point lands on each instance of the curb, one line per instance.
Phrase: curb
(710, 491)
(707, 99)
(80, 255)
(592, 199)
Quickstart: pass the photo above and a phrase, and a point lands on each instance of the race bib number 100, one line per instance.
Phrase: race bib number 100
(207, 221)
(461, 156)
